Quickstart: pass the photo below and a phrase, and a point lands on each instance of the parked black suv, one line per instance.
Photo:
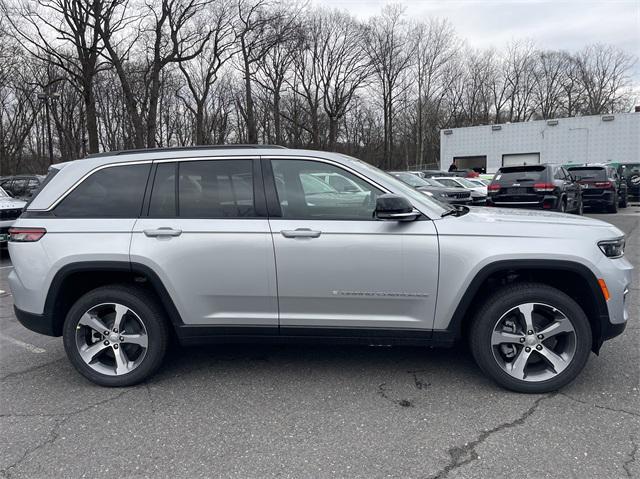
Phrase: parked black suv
(602, 186)
(630, 174)
(542, 186)
(22, 186)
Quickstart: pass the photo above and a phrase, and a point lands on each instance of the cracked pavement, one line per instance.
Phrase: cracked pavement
(317, 411)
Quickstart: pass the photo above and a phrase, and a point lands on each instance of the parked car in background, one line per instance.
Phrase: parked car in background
(478, 193)
(602, 187)
(479, 181)
(544, 186)
(10, 210)
(459, 173)
(21, 186)
(630, 173)
(432, 188)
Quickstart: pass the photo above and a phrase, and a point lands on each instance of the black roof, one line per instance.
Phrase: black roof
(183, 148)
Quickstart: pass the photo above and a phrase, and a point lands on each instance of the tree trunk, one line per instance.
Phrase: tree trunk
(333, 133)
(92, 120)
(252, 128)
(277, 126)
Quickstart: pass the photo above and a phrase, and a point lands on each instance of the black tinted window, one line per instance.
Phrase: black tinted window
(114, 192)
(518, 174)
(216, 189)
(163, 195)
(589, 173)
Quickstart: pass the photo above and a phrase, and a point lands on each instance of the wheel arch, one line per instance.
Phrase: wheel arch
(75, 279)
(574, 279)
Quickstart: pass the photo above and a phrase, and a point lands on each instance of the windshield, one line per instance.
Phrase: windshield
(450, 183)
(467, 183)
(589, 173)
(410, 179)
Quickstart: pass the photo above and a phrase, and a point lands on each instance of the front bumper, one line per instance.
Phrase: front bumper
(36, 322)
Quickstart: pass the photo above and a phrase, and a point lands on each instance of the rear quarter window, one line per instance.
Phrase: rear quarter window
(113, 192)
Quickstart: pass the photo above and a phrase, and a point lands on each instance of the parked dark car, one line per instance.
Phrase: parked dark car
(630, 174)
(430, 187)
(460, 173)
(543, 186)
(22, 186)
(602, 186)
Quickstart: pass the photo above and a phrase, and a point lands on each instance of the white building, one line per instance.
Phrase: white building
(586, 139)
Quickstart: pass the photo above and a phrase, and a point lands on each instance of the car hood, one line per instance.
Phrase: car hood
(512, 215)
(11, 203)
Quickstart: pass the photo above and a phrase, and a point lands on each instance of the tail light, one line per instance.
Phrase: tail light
(26, 235)
(603, 184)
(544, 187)
(493, 187)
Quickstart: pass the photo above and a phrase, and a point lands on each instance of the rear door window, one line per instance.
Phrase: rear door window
(216, 189)
(112, 192)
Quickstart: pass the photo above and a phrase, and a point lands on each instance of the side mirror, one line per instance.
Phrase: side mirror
(395, 208)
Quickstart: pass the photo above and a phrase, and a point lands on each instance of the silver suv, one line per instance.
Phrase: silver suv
(119, 252)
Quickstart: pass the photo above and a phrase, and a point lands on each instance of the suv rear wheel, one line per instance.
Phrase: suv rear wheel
(613, 207)
(116, 335)
(531, 338)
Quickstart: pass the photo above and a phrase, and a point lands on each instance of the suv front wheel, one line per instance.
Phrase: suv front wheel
(116, 335)
(531, 338)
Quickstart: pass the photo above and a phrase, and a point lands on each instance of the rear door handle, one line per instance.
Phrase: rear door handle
(162, 232)
(301, 233)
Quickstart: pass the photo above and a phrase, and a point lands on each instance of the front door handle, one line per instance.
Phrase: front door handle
(162, 232)
(301, 233)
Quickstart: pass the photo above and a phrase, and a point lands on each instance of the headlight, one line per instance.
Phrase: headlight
(612, 248)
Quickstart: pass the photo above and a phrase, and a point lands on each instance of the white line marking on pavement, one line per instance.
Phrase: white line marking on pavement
(22, 344)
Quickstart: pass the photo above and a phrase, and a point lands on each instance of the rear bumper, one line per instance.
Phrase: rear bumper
(548, 202)
(606, 198)
(35, 322)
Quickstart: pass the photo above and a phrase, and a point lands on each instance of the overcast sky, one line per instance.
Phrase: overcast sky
(557, 24)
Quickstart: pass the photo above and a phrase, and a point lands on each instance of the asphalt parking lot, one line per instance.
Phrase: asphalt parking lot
(300, 411)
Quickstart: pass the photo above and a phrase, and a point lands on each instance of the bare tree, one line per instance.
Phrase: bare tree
(604, 75)
(391, 53)
(201, 73)
(171, 34)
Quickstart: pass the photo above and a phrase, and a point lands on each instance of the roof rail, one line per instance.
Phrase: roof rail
(183, 148)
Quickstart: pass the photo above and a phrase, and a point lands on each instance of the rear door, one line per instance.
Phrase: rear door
(206, 234)
(339, 270)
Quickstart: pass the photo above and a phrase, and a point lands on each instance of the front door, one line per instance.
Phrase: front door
(207, 236)
(338, 267)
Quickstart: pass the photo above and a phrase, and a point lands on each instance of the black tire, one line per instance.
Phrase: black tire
(562, 205)
(509, 297)
(613, 207)
(624, 201)
(580, 208)
(150, 313)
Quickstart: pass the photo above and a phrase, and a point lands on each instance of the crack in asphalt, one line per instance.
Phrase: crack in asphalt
(382, 392)
(632, 458)
(462, 455)
(55, 432)
(599, 406)
(29, 370)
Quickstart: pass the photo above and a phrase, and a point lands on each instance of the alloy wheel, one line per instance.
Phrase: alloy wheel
(111, 339)
(533, 342)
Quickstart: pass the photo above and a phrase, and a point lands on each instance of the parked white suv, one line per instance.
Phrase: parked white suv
(117, 252)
